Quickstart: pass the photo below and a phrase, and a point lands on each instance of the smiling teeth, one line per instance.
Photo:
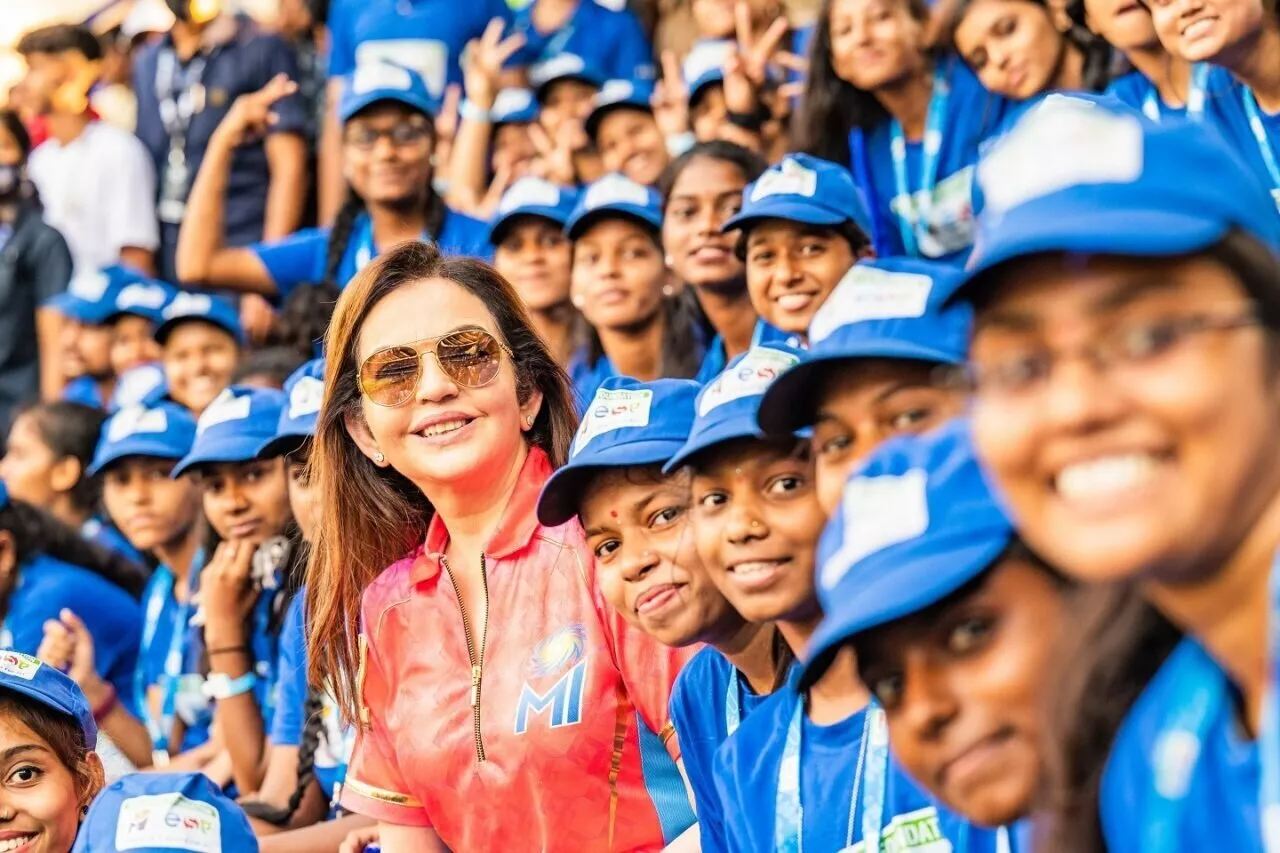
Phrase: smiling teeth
(1197, 28)
(430, 432)
(14, 843)
(755, 568)
(1106, 476)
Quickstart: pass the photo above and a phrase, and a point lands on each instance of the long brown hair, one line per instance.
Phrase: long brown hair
(63, 735)
(374, 516)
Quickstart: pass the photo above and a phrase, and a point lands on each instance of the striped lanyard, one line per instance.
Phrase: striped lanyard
(1195, 95)
(159, 591)
(914, 218)
(1264, 144)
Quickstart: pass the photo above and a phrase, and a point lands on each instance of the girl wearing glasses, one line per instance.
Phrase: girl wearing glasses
(388, 148)
(498, 701)
(1125, 397)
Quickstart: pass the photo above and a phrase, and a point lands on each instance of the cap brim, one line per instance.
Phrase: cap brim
(283, 444)
(701, 86)
(788, 213)
(89, 731)
(76, 309)
(353, 108)
(1097, 231)
(143, 448)
(540, 91)
(730, 430)
(579, 226)
(592, 124)
(499, 227)
(243, 448)
(892, 595)
(166, 328)
(562, 494)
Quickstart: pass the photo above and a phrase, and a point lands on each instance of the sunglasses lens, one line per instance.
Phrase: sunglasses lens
(471, 358)
(389, 376)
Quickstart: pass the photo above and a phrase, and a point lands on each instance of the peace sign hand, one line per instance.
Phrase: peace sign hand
(671, 98)
(746, 69)
(252, 115)
(483, 60)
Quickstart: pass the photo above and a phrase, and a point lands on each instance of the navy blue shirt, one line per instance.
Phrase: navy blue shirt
(243, 64)
(611, 41)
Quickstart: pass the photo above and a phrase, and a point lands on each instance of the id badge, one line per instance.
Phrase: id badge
(174, 185)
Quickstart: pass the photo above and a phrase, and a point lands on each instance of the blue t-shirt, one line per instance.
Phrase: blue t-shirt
(698, 710)
(1220, 810)
(111, 615)
(163, 613)
(85, 391)
(715, 361)
(1136, 91)
(1225, 106)
(425, 35)
(102, 532)
(747, 769)
(611, 41)
(300, 258)
(973, 115)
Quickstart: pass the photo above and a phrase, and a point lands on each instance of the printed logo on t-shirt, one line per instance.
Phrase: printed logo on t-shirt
(944, 223)
(227, 407)
(561, 704)
(611, 410)
(788, 178)
(919, 831)
(877, 512)
(171, 821)
(137, 421)
(750, 377)
(19, 665)
(867, 293)
(306, 397)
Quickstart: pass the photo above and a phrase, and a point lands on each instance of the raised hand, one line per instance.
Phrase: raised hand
(482, 63)
(671, 98)
(224, 590)
(252, 115)
(68, 646)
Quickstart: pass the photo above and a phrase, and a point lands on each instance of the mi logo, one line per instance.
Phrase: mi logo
(564, 700)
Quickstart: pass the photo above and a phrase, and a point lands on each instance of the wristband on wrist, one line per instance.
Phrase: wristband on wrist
(107, 705)
(469, 110)
(752, 121)
(219, 685)
(226, 650)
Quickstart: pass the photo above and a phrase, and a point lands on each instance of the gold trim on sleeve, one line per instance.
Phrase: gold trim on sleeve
(362, 645)
(380, 794)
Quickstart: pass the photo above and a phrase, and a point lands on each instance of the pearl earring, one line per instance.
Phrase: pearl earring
(670, 261)
(529, 422)
(578, 301)
(378, 458)
(668, 291)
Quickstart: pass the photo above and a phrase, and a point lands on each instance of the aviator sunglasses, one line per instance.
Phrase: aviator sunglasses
(470, 357)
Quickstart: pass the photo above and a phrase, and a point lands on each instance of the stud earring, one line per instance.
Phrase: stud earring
(379, 458)
(670, 260)
(529, 422)
(578, 301)
(668, 291)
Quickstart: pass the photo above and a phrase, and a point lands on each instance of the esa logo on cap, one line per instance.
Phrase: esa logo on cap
(612, 410)
(19, 665)
(189, 305)
(306, 397)
(151, 296)
(136, 421)
(169, 821)
(228, 407)
(877, 512)
(615, 189)
(750, 377)
(89, 286)
(789, 178)
(866, 293)
(529, 192)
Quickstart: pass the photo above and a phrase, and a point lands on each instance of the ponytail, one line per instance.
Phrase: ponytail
(37, 533)
(312, 731)
(434, 213)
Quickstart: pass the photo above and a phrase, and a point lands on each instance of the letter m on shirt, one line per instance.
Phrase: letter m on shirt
(562, 703)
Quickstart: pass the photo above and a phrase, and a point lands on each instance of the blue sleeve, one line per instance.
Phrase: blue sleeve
(291, 678)
(297, 259)
(342, 37)
(725, 776)
(632, 55)
(698, 751)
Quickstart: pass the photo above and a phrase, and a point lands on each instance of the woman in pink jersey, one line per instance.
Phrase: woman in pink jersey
(499, 703)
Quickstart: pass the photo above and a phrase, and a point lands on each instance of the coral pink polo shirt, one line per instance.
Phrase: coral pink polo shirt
(572, 748)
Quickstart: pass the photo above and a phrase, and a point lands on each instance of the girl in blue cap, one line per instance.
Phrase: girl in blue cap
(908, 122)
(624, 131)
(643, 327)
(161, 517)
(200, 341)
(1124, 401)
(390, 200)
(162, 813)
(51, 772)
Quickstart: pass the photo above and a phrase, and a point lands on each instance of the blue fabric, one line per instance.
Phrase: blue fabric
(164, 431)
(587, 378)
(304, 392)
(1133, 90)
(300, 258)
(1224, 107)
(803, 188)
(615, 196)
(136, 385)
(24, 674)
(83, 390)
(612, 41)
(425, 35)
(111, 615)
(746, 777)
(973, 115)
(200, 308)
(234, 427)
(372, 82)
(715, 361)
(102, 532)
(533, 197)
(164, 812)
(1221, 804)
(291, 678)
(192, 707)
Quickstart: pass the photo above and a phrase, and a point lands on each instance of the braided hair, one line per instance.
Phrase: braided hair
(312, 732)
(345, 223)
(36, 532)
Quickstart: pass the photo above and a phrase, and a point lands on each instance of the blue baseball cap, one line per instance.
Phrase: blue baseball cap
(1087, 177)
(726, 408)
(136, 386)
(4, 495)
(163, 431)
(33, 679)
(380, 80)
(234, 427)
(90, 296)
(163, 813)
(203, 308)
(563, 66)
(613, 196)
(617, 95)
(628, 423)
(144, 297)
(802, 188)
(303, 392)
(514, 106)
(886, 308)
(532, 197)
(704, 66)
(916, 523)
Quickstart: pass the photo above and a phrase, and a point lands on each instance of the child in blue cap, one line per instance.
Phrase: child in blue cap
(161, 517)
(872, 368)
(643, 327)
(163, 813)
(200, 341)
(84, 337)
(52, 773)
(254, 568)
(802, 225)
(565, 86)
(1124, 403)
(637, 522)
(953, 622)
(622, 127)
(137, 308)
(532, 252)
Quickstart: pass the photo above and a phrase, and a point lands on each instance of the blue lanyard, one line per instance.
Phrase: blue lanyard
(915, 216)
(158, 592)
(870, 777)
(1195, 95)
(1269, 733)
(1264, 145)
(732, 708)
(366, 251)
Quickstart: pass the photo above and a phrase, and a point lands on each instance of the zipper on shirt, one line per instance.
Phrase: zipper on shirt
(476, 659)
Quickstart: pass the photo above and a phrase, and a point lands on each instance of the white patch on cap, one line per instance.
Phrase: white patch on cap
(137, 421)
(374, 76)
(750, 377)
(529, 192)
(705, 57)
(189, 305)
(89, 286)
(151, 296)
(228, 407)
(611, 410)
(136, 384)
(170, 821)
(305, 398)
(615, 189)
(877, 512)
(612, 5)
(563, 65)
(615, 92)
(787, 178)
(19, 665)
(867, 293)
(511, 101)
(1063, 142)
